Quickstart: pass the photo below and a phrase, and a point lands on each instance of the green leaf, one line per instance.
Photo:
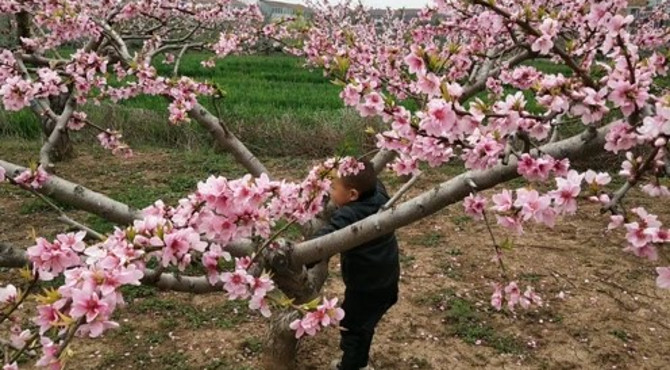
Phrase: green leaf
(311, 305)
(507, 244)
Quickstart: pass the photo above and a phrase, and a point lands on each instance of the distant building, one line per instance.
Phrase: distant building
(380, 15)
(277, 10)
(238, 4)
(234, 3)
(640, 7)
(406, 13)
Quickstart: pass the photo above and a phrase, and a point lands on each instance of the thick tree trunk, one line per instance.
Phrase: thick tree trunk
(281, 346)
(302, 286)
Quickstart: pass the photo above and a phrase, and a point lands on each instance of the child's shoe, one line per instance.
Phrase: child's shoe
(335, 365)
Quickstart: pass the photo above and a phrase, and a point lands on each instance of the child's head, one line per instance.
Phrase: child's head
(350, 188)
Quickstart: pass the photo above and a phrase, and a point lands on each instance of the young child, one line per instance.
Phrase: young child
(370, 271)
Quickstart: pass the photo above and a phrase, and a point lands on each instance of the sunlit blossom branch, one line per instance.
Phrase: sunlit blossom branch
(588, 81)
(614, 204)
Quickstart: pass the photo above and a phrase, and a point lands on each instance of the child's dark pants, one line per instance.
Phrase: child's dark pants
(363, 310)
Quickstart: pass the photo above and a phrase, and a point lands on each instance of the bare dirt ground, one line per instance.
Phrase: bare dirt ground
(612, 316)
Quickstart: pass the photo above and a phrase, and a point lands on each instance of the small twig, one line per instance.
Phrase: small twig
(400, 192)
(23, 349)
(177, 63)
(95, 126)
(623, 190)
(70, 335)
(496, 246)
(185, 37)
(41, 31)
(89, 232)
(269, 241)
(62, 216)
(375, 151)
(7, 315)
(629, 63)
(627, 307)
(219, 117)
(626, 290)
(584, 75)
(555, 273)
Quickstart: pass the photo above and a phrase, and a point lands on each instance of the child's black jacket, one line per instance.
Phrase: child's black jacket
(372, 265)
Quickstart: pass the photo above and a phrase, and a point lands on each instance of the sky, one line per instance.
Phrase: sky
(384, 3)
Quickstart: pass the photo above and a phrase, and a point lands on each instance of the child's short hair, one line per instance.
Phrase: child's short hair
(365, 181)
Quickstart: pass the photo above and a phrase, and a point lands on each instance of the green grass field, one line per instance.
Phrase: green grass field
(269, 99)
(272, 102)
(257, 87)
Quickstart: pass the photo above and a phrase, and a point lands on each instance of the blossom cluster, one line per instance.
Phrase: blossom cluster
(198, 229)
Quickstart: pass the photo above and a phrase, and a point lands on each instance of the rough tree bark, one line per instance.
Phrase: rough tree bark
(294, 280)
(63, 148)
(227, 140)
(281, 346)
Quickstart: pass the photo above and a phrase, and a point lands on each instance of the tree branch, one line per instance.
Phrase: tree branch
(165, 48)
(381, 159)
(214, 125)
(588, 81)
(433, 200)
(227, 140)
(41, 60)
(59, 128)
(177, 62)
(90, 201)
(42, 109)
(625, 188)
(63, 217)
(14, 257)
(480, 84)
(116, 40)
(400, 192)
(90, 233)
(80, 197)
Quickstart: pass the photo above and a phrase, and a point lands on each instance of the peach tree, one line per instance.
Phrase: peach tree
(458, 85)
